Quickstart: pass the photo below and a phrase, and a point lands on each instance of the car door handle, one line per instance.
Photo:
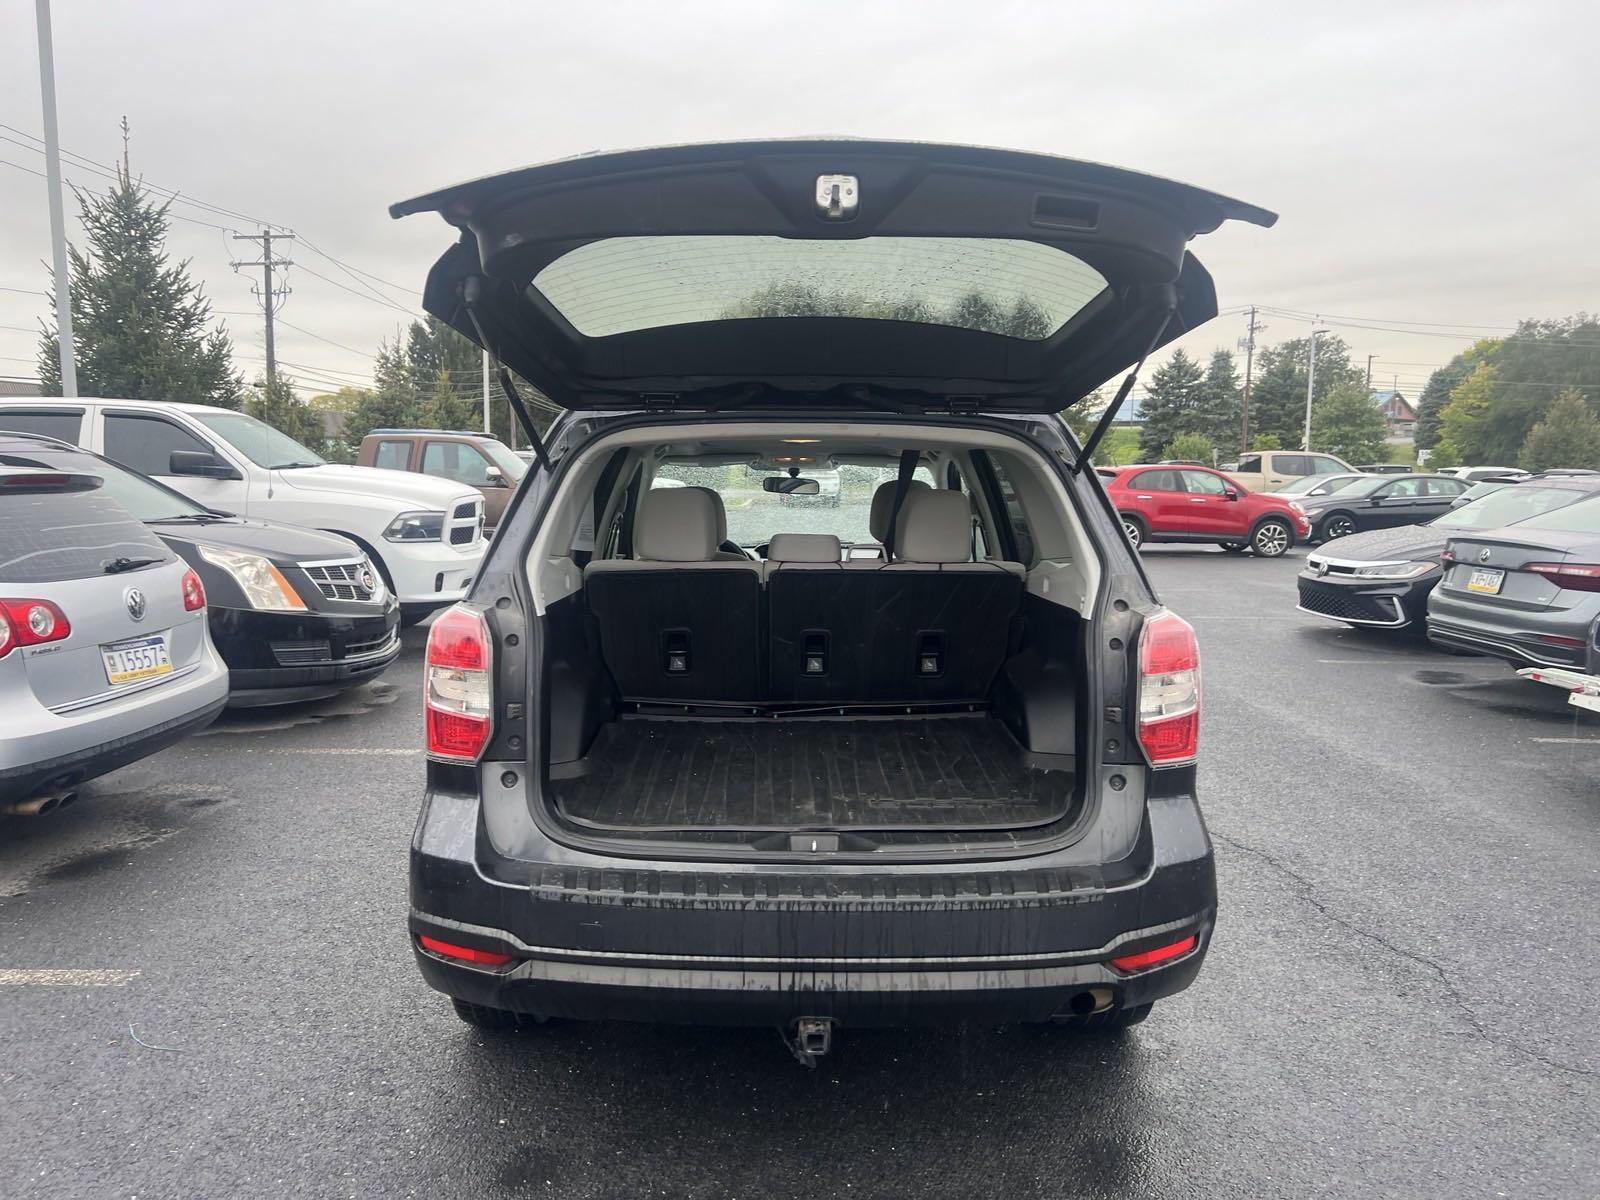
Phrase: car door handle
(1144, 497)
(1198, 500)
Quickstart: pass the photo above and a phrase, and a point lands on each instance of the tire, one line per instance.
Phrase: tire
(1234, 547)
(1271, 539)
(491, 1020)
(1134, 528)
(1337, 525)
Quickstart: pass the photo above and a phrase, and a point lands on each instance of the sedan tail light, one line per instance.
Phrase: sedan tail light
(1574, 577)
(458, 695)
(1169, 691)
(194, 595)
(30, 623)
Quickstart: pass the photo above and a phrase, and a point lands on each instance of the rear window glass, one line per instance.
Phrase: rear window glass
(56, 535)
(1507, 506)
(1583, 517)
(1018, 288)
(65, 425)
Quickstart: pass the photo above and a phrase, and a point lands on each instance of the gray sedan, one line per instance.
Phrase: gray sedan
(104, 654)
(1529, 594)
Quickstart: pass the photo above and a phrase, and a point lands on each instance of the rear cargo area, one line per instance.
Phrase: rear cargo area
(648, 774)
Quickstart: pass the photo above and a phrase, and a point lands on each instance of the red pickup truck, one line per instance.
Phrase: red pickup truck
(1175, 502)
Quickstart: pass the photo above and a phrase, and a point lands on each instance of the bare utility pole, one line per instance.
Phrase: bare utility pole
(1249, 346)
(270, 299)
(1311, 378)
(1370, 357)
(58, 229)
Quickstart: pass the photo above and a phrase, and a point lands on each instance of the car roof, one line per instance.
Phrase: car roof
(120, 402)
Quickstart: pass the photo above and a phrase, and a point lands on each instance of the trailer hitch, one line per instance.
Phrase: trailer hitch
(809, 1038)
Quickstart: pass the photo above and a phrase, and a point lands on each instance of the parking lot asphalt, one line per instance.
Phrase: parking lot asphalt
(206, 990)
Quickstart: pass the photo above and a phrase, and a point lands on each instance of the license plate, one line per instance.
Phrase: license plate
(137, 658)
(1485, 579)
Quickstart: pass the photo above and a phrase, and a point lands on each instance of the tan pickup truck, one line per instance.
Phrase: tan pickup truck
(1269, 470)
(474, 459)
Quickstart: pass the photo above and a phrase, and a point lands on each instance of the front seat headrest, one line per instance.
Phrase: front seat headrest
(676, 525)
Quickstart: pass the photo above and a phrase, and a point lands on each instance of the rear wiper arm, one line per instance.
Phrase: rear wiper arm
(117, 566)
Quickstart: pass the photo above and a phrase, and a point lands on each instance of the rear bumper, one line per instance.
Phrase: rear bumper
(1517, 635)
(705, 945)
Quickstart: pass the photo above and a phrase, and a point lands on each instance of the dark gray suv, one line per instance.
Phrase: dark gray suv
(924, 755)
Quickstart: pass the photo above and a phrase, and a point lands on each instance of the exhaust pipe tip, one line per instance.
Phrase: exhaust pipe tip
(38, 806)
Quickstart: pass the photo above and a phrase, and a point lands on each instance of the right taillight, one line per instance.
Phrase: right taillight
(1575, 577)
(1169, 691)
(30, 623)
(458, 695)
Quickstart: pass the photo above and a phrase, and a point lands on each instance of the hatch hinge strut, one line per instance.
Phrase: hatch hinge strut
(1103, 425)
(524, 417)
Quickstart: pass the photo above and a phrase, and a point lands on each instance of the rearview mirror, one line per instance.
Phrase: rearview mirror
(201, 463)
(791, 485)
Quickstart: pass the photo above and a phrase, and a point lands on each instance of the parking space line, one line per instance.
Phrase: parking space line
(64, 978)
(396, 750)
(1567, 741)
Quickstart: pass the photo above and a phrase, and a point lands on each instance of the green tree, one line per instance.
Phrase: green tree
(1465, 421)
(1435, 395)
(1170, 403)
(1347, 423)
(1444, 455)
(1278, 393)
(1083, 416)
(141, 327)
(1220, 402)
(1266, 441)
(1189, 447)
(1539, 360)
(1118, 448)
(1568, 436)
(278, 406)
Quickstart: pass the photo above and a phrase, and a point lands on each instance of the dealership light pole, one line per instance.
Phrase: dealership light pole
(1311, 380)
(58, 230)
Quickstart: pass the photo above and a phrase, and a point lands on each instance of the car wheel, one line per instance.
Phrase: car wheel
(1271, 539)
(1337, 526)
(1134, 528)
(492, 1020)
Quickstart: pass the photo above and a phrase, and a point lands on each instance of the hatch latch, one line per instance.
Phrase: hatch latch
(838, 197)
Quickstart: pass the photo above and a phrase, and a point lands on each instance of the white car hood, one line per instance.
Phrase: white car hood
(408, 490)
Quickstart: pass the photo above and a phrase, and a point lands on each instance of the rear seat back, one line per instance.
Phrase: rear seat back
(676, 622)
(932, 626)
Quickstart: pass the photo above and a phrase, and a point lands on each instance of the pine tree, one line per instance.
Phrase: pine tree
(1278, 394)
(278, 406)
(1569, 436)
(1435, 395)
(1170, 404)
(1220, 402)
(141, 327)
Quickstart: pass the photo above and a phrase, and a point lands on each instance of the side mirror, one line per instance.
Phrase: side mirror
(495, 477)
(200, 463)
(1375, 502)
(1231, 493)
(786, 485)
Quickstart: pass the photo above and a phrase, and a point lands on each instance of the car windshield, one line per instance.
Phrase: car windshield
(1326, 484)
(1512, 505)
(623, 284)
(144, 498)
(840, 507)
(259, 442)
(1582, 517)
(502, 456)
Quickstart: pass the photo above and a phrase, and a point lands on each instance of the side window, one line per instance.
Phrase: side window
(1293, 464)
(457, 461)
(1249, 464)
(1321, 464)
(64, 424)
(1018, 519)
(1156, 481)
(396, 456)
(1401, 489)
(1204, 482)
(146, 443)
(1443, 487)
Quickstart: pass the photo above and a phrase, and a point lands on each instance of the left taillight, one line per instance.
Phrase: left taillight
(194, 595)
(31, 623)
(458, 694)
(1169, 691)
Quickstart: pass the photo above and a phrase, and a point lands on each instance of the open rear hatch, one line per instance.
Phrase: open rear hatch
(857, 274)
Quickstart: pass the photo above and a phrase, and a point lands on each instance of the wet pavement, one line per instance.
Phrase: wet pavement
(205, 986)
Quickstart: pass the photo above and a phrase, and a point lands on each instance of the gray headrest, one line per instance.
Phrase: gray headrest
(883, 501)
(804, 548)
(936, 528)
(676, 525)
(722, 513)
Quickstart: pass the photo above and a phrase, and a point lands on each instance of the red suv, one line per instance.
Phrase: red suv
(1176, 503)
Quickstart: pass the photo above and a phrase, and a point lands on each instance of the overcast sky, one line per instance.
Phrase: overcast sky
(1435, 165)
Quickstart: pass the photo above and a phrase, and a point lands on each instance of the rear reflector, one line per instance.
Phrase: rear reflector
(1574, 577)
(484, 958)
(458, 694)
(1150, 958)
(1169, 691)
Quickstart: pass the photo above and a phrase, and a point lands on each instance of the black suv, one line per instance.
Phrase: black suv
(701, 750)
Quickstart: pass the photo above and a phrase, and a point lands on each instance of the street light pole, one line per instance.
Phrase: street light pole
(1311, 383)
(58, 230)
